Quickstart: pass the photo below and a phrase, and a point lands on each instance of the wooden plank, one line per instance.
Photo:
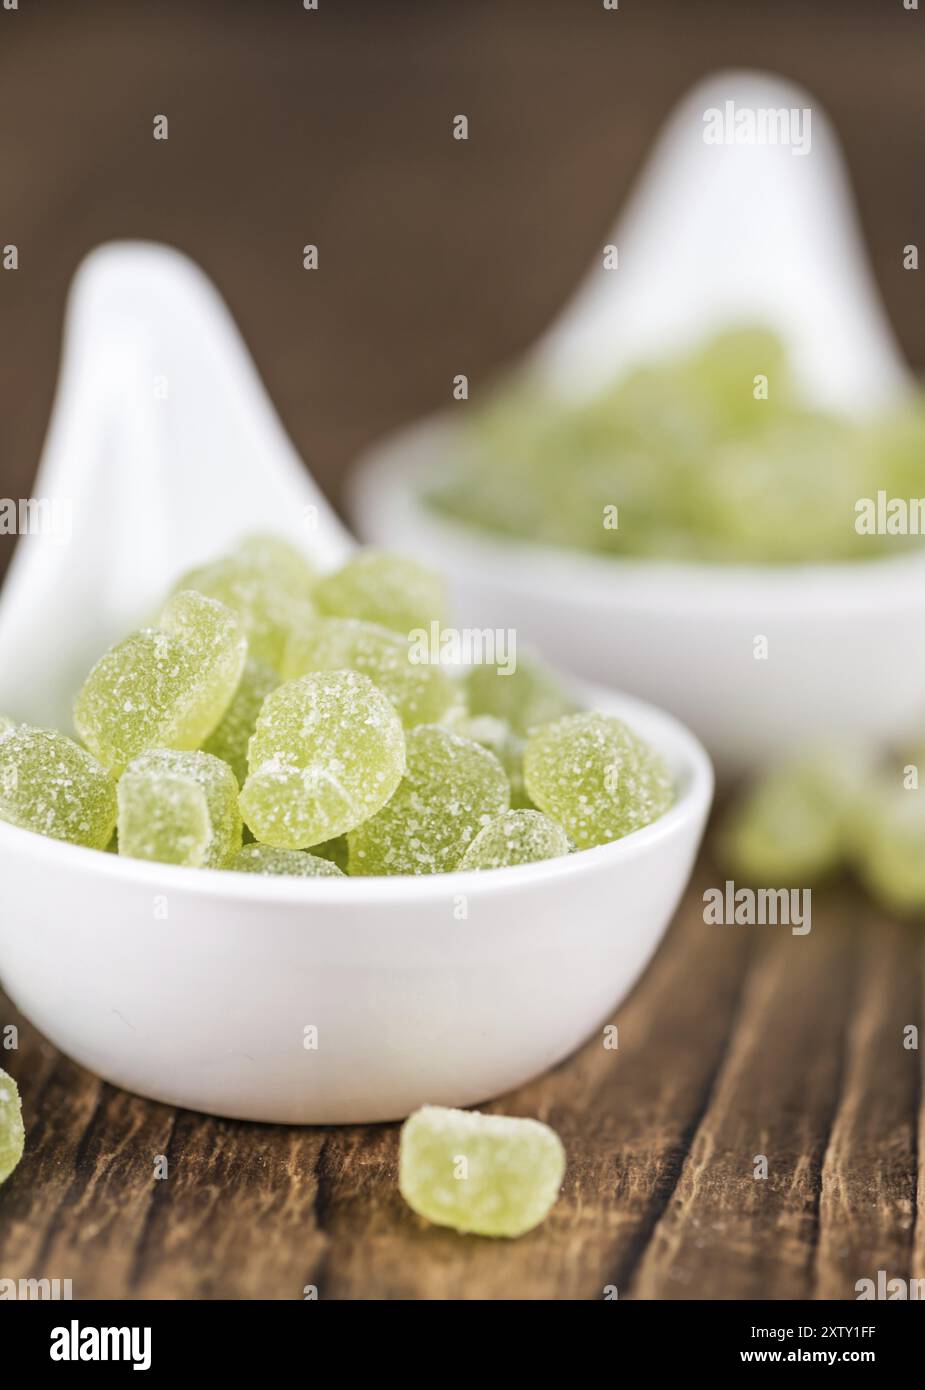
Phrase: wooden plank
(868, 1203)
(726, 1233)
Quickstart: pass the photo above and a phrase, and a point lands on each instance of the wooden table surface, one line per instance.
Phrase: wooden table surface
(738, 1042)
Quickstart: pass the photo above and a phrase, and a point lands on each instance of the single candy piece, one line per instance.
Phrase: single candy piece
(525, 697)
(517, 837)
(229, 741)
(337, 850)
(327, 753)
(890, 846)
(137, 696)
(422, 694)
(383, 588)
(215, 636)
(294, 863)
(51, 785)
(794, 825)
(491, 1175)
(451, 788)
(179, 808)
(597, 778)
(508, 747)
(259, 589)
(12, 1133)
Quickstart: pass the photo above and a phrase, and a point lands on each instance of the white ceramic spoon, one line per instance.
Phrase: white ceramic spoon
(713, 235)
(201, 988)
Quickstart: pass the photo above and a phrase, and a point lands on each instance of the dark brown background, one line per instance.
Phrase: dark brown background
(333, 127)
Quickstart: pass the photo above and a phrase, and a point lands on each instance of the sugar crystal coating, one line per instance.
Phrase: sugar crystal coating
(179, 808)
(215, 636)
(596, 777)
(12, 1132)
(516, 837)
(267, 587)
(490, 1175)
(293, 863)
(508, 747)
(525, 697)
(422, 694)
(230, 739)
(452, 787)
(383, 588)
(327, 753)
(51, 785)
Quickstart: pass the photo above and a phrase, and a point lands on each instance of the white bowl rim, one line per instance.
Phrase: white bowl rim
(391, 470)
(694, 786)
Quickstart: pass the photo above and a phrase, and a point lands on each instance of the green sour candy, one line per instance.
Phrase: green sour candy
(383, 588)
(337, 850)
(526, 697)
(597, 778)
(294, 863)
(215, 636)
(517, 837)
(327, 753)
(229, 741)
(508, 747)
(490, 1175)
(51, 785)
(137, 697)
(422, 694)
(795, 823)
(266, 583)
(891, 847)
(451, 788)
(12, 1133)
(179, 808)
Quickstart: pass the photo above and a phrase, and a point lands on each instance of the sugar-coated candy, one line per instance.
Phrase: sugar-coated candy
(267, 587)
(327, 753)
(422, 694)
(383, 588)
(795, 823)
(452, 787)
(12, 1133)
(890, 845)
(525, 697)
(230, 739)
(51, 785)
(516, 837)
(596, 777)
(508, 747)
(215, 636)
(179, 808)
(489, 1175)
(294, 863)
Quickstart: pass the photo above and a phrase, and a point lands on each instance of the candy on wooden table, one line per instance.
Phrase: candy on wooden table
(422, 693)
(12, 1133)
(525, 697)
(230, 739)
(451, 788)
(516, 837)
(293, 863)
(383, 588)
(596, 777)
(490, 1175)
(51, 785)
(327, 753)
(179, 808)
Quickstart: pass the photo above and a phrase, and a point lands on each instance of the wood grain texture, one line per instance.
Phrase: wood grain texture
(739, 1041)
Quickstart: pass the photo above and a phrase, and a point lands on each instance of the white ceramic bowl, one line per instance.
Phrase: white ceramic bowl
(196, 987)
(843, 655)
